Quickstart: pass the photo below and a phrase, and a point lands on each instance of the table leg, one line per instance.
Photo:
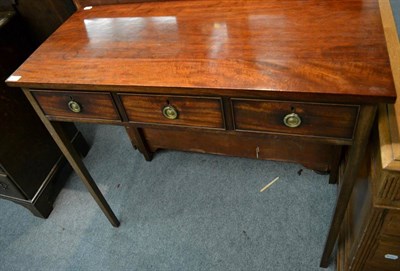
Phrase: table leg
(137, 141)
(70, 153)
(355, 158)
(334, 174)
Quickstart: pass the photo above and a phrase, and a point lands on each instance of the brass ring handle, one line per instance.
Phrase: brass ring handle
(170, 112)
(74, 106)
(292, 120)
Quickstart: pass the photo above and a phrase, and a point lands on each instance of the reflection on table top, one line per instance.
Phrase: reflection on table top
(318, 47)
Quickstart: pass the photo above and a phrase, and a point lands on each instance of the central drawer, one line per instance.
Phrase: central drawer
(205, 112)
(294, 118)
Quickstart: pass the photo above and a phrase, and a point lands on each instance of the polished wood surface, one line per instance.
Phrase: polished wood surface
(192, 111)
(317, 156)
(310, 48)
(318, 120)
(93, 105)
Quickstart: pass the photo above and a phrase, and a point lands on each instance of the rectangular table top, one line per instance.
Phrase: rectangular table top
(304, 47)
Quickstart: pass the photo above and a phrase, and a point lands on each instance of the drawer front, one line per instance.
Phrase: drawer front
(174, 110)
(316, 156)
(386, 257)
(7, 188)
(321, 120)
(77, 105)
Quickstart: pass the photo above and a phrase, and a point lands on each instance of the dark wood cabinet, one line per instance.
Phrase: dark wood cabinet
(32, 170)
(43, 17)
(370, 237)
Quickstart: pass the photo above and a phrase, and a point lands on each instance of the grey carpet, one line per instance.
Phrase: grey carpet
(182, 211)
(396, 11)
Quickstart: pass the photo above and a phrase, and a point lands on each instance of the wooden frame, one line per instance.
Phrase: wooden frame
(389, 116)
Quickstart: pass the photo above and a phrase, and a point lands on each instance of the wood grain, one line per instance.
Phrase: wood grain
(393, 111)
(373, 216)
(378, 261)
(386, 176)
(93, 105)
(192, 111)
(136, 138)
(335, 48)
(316, 156)
(322, 120)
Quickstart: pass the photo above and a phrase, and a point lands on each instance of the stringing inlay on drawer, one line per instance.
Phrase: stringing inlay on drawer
(76, 104)
(174, 110)
(307, 119)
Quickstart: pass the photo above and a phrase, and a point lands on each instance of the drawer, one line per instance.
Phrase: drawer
(320, 120)
(8, 188)
(316, 156)
(76, 105)
(386, 257)
(174, 110)
(391, 225)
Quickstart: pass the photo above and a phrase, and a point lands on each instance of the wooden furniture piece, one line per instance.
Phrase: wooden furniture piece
(7, 5)
(32, 169)
(43, 17)
(284, 80)
(370, 237)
